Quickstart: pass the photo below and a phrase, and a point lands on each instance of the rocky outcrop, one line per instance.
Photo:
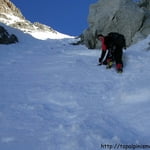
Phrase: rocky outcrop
(123, 16)
(7, 7)
(6, 38)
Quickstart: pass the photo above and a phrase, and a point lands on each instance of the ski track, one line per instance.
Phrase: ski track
(54, 96)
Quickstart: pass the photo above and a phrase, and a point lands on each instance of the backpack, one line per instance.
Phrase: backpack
(115, 39)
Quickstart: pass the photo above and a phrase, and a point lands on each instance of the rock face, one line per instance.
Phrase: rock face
(124, 16)
(8, 7)
(144, 3)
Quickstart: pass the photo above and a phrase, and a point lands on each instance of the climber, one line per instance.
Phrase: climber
(112, 50)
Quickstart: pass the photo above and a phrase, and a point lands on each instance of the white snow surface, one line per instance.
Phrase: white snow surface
(53, 96)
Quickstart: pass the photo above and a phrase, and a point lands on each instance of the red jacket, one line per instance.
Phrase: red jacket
(104, 47)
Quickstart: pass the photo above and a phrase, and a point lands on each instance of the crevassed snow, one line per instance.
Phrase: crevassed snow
(53, 96)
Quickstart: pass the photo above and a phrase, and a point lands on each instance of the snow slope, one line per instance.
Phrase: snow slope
(53, 96)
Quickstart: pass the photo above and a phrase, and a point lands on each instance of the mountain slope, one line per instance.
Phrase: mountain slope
(12, 16)
(54, 96)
